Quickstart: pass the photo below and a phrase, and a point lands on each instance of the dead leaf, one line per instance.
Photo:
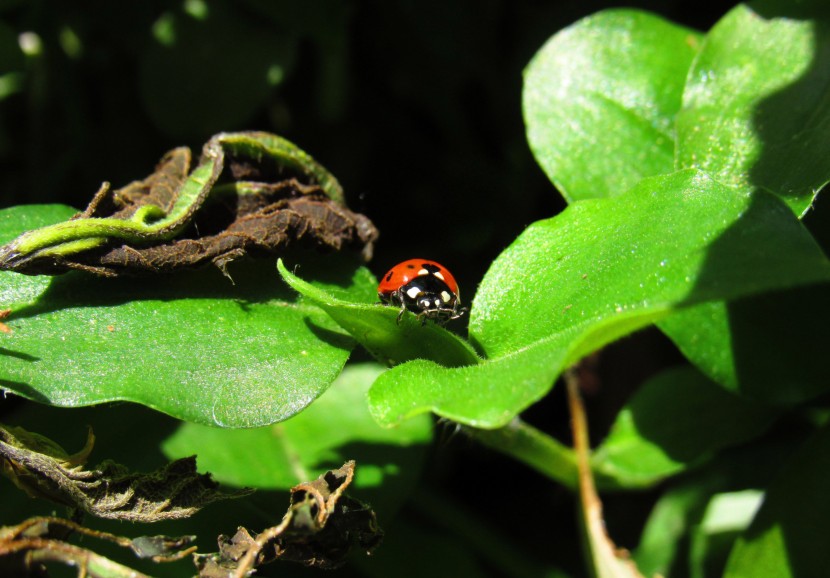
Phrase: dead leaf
(43, 469)
(252, 193)
(321, 527)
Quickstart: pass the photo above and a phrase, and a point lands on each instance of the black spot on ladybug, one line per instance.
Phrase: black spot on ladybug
(388, 277)
(410, 266)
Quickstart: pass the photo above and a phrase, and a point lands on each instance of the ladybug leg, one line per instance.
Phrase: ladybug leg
(457, 312)
(397, 299)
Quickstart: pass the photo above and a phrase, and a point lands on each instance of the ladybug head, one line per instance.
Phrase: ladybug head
(428, 302)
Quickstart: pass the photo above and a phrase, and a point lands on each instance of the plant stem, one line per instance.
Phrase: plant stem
(603, 558)
(530, 446)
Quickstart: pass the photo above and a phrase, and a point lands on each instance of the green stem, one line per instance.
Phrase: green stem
(545, 454)
(530, 446)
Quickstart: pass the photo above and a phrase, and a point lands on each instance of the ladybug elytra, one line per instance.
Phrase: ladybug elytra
(423, 287)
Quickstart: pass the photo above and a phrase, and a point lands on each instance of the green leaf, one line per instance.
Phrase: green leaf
(754, 347)
(669, 522)
(191, 345)
(377, 329)
(557, 293)
(678, 239)
(674, 421)
(725, 517)
(788, 536)
(754, 115)
(755, 109)
(600, 99)
(336, 428)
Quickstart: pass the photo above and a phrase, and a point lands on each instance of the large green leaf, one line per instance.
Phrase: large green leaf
(678, 239)
(755, 114)
(192, 345)
(788, 537)
(674, 421)
(755, 109)
(336, 428)
(600, 99)
(601, 269)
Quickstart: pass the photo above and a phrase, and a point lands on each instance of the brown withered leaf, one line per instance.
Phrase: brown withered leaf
(277, 217)
(251, 194)
(111, 491)
(321, 527)
(158, 189)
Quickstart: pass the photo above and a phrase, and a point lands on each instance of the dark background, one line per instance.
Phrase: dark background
(414, 106)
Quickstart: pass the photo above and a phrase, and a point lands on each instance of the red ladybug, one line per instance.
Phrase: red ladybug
(423, 287)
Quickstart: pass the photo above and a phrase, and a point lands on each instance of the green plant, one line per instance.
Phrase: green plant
(689, 161)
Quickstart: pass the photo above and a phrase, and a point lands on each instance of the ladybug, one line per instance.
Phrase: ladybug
(423, 287)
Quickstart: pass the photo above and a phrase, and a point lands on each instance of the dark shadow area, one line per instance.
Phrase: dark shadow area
(791, 326)
(765, 232)
(23, 388)
(126, 432)
(18, 354)
(252, 281)
(796, 506)
(671, 422)
(792, 123)
(333, 338)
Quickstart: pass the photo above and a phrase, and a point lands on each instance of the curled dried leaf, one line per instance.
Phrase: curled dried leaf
(46, 451)
(321, 527)
(252, 193)
(43, 469)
